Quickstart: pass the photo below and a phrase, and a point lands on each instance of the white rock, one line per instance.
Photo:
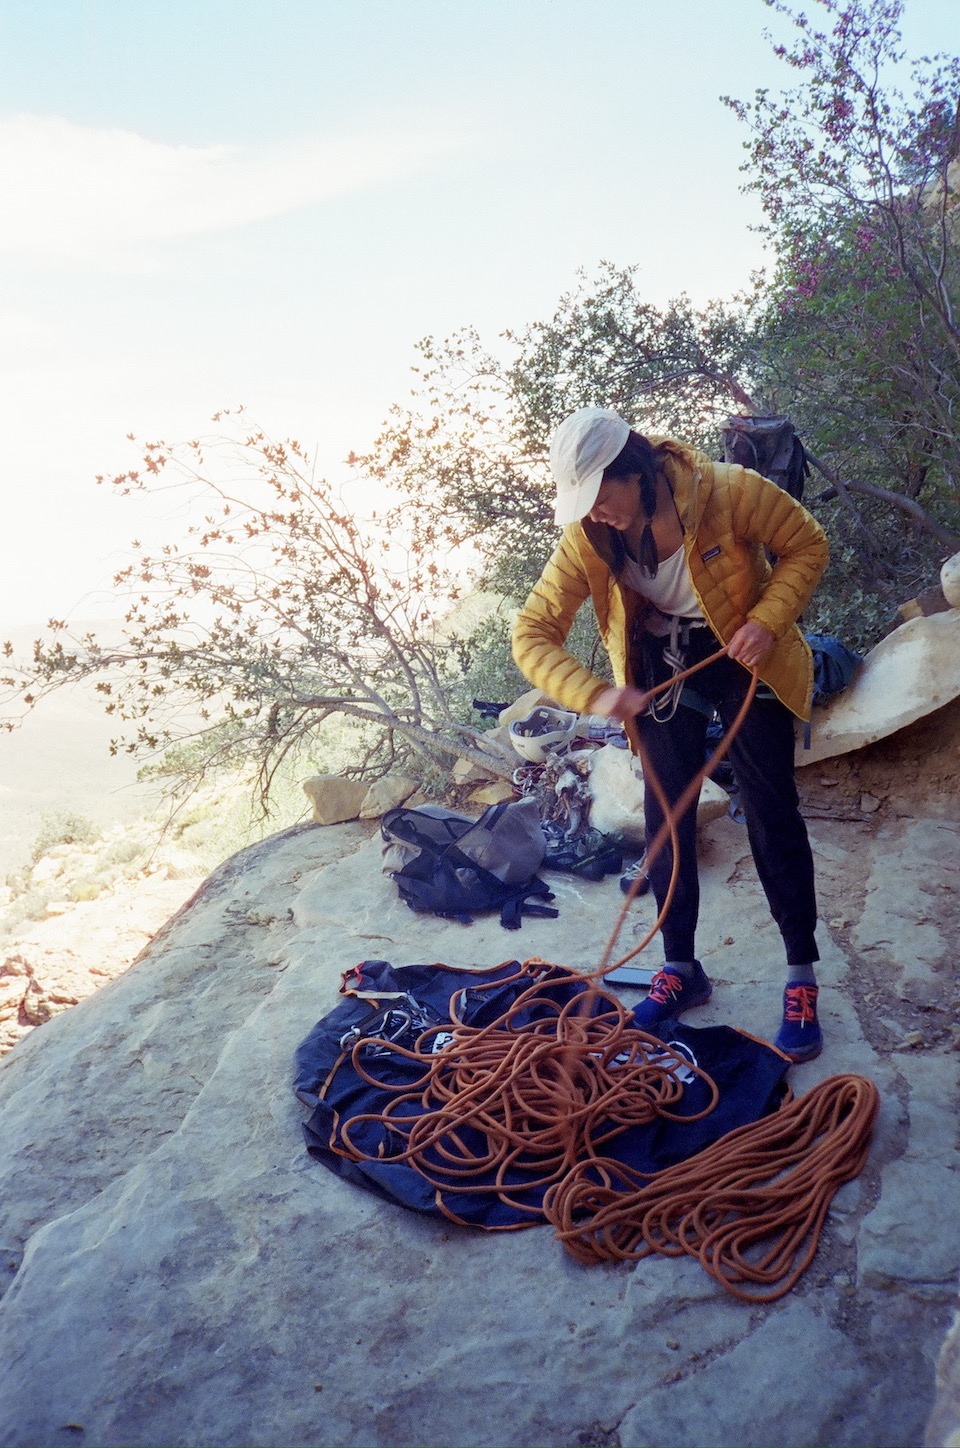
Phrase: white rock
(334, 799)
(950, 580)
(617, 790)
(911, 672)
(47, 868)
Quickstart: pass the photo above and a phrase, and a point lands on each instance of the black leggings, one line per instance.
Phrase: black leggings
(762, 758)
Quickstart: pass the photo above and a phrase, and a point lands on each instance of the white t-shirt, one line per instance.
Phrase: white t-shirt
(671, 591)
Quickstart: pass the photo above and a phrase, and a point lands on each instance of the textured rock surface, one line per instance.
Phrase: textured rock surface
(950, 580)
(912, 672)
(179, 1272)
(59, 961)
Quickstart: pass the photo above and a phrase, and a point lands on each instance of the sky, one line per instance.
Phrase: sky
(209, 203)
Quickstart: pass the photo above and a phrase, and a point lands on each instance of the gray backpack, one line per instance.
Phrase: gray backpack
(769, 445)
(448, 864)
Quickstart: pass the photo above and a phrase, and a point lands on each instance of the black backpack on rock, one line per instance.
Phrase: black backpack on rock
(447, 864)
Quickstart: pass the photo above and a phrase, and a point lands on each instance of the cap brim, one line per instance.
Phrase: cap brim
(576, 503)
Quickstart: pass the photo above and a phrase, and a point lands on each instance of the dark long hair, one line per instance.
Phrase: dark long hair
(637, 457)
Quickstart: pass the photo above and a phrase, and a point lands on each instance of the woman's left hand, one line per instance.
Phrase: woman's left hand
(751, 645)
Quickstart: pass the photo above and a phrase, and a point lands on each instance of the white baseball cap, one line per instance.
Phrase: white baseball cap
(583, 445)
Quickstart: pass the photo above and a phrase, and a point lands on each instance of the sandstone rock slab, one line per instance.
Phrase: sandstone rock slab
(178, 1271)
(909, 674)
(753, 1388)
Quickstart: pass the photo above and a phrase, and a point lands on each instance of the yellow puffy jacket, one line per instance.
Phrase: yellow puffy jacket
(730, 515)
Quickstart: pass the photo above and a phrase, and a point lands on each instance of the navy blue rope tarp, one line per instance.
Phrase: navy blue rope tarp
(399, 1004)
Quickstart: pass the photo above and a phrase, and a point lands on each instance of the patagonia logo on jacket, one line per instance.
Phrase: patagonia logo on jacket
(711, 553)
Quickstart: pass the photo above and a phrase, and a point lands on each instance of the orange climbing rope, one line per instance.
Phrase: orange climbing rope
(671, 814)
(749, 1208)
(543, 1098)
(544, 1095)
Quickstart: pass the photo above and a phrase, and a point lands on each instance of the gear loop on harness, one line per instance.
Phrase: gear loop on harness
(675, 657)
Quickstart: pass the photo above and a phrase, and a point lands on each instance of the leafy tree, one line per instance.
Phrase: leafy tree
(280, 612)
(277, 612)
(839, 351)
(476, 434)
(860, 184)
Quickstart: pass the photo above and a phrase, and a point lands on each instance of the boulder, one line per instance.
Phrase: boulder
(334, 800)
(910, 673)
(386, 793)
(617, 789)
(174, 1268)
(950, 580)
(496, 793)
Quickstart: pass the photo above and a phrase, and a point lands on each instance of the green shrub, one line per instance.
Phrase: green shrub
(88, 887)
(62, 827)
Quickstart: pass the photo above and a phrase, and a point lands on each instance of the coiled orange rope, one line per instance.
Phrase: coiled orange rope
(749, 1208)
(543, 1096)
(533, 1103)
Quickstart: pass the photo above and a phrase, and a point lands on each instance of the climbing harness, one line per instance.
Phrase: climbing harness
(676, 639)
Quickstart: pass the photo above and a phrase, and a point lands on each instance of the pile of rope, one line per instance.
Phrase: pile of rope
(750, 1208)
(524, 1108)
(543, 1096)
(534, 1103)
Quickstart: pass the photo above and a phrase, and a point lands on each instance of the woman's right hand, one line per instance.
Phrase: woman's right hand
(620, 704)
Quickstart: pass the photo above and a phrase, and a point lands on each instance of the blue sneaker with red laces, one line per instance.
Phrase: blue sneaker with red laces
(800, 1036)
(671, 994)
